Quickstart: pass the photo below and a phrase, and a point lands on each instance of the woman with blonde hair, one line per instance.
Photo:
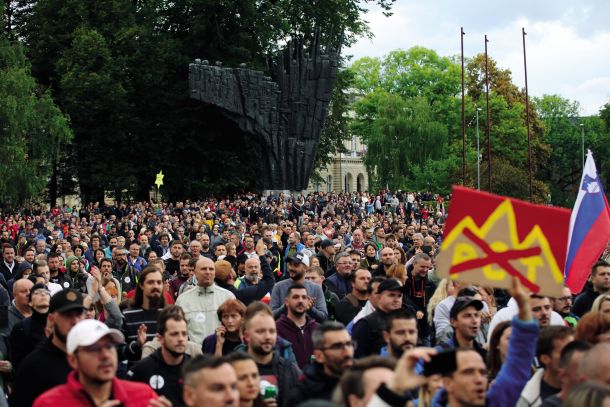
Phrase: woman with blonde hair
(444, 289)
(602, 304)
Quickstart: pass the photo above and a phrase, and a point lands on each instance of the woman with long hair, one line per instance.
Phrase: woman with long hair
(400, 256)
(498, 348)
(444, 289)
(602, 304)
(370, 261)
(98, 255)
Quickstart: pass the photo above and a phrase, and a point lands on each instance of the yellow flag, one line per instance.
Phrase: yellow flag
(159, 180)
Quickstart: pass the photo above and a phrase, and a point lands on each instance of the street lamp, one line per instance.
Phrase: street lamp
(478, 154)
(582, 132)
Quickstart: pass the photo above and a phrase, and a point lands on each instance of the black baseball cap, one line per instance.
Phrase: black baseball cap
(462, 303)
(389, 284)
(66, 300)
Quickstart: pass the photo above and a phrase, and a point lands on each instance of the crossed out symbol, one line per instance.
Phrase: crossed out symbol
(499, 258)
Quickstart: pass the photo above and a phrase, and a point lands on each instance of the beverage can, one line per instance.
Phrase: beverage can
(270, 392)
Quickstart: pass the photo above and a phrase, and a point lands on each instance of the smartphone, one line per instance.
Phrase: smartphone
(442, 363)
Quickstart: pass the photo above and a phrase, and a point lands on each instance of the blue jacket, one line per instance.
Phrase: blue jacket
(339, 285)
(515, 371)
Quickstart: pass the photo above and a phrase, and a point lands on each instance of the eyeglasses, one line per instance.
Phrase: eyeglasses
(345, 263)
(341, 345)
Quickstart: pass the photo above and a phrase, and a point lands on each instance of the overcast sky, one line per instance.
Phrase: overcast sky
(568, 41)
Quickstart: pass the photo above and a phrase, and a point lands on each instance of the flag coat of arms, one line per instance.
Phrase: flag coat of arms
(490, 238)
(589, 227)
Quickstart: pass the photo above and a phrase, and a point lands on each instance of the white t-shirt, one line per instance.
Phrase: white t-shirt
(512, 309)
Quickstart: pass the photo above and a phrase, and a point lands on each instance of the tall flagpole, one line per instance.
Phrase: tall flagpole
(463, 116)
(488, 124)
(527, 117)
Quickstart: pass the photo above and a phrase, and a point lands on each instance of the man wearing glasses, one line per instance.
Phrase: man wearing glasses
(334, 353)
(91, 349)
(46, 367)
(563, 306)
(340, 282)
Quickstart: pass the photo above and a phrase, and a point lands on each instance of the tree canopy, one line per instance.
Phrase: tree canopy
(33, 131)
(120, 70)
(408, 113)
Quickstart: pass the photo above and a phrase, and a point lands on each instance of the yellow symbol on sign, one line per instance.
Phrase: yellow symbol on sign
(488, 253)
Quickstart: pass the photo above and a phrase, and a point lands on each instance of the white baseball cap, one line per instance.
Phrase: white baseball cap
(88, 332)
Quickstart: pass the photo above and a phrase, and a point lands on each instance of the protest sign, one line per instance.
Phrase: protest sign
(489, 238)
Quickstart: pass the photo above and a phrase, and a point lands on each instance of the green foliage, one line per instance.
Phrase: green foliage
(120, 70)
(32, 129)
(336, 126)
(400, 135)
(410, 117)
(604, 114)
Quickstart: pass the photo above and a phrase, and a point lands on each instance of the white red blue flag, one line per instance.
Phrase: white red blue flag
(589, 228)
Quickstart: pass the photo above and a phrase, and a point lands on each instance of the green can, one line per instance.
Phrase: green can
(270, 392)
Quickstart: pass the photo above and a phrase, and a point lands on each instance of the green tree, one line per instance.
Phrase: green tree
(560, 118)
(32, 128)
(125, 64)
(401, 136)
(92, 94)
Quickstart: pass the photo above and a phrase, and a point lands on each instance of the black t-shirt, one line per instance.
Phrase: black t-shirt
(547, 390)
(268, 376)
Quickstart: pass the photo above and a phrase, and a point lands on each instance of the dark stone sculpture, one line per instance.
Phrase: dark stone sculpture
(284, 113)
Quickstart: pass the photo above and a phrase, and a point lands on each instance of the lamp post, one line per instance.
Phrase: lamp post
(582, 133)
(478, 153)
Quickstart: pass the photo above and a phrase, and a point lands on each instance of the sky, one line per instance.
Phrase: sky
(567, 42)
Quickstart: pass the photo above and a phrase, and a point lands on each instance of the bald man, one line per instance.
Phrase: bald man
(200, 303)
(20, 308)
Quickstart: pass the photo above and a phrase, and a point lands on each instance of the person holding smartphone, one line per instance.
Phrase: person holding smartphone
(464, 372)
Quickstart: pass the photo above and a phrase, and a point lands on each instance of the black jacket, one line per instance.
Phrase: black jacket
(584, 301)
(164, 379)
(368, 334)
(25, 336)
(347, 309)
(313, 384)
(253, 293)
(62, 279)
(43, 369)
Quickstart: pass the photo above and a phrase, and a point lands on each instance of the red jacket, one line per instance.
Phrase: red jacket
(72, 394)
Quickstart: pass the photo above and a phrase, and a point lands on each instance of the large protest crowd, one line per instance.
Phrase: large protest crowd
(278, 301)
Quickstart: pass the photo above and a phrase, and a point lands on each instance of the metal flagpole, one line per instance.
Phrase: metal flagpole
(487, 124)
(463, 117)
(527, 118)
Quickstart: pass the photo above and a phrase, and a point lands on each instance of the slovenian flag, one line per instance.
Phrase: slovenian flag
(589, 228)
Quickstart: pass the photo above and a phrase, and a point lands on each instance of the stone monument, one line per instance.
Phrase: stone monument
(284, 113)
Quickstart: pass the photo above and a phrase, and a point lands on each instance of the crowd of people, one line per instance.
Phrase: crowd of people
(279, 301)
